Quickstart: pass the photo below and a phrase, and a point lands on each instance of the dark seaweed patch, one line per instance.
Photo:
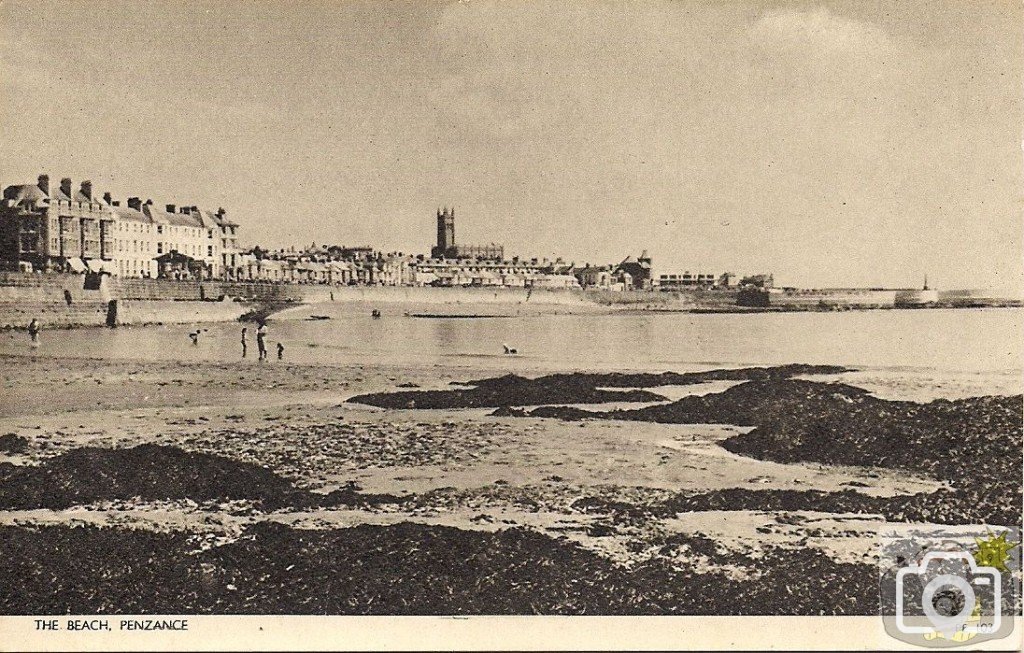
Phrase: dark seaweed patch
(13, 443)
(155, 472)
(404, 569)
(508, 390)
(579, 388)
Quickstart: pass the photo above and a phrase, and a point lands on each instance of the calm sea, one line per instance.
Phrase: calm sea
(979, 347)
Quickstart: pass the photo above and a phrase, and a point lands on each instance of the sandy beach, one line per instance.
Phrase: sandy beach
(295, 447)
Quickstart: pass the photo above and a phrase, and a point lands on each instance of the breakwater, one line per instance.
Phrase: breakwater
(834, 298)
(868, 298)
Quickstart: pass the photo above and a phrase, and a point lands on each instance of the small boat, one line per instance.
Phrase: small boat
(319, 317)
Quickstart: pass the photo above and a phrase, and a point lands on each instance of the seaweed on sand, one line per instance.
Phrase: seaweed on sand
(975, 444)
(13, 443)
(510, 390)
(577, 388)
(976, 440)
(404, 569)
(156, 472)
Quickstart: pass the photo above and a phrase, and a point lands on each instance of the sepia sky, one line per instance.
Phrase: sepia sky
(834, 144)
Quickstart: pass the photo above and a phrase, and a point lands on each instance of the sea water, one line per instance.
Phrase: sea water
(972, 351)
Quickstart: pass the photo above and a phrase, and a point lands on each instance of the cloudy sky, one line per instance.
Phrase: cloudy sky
(834, 144)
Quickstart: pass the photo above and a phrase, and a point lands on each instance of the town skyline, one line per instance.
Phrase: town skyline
(588, 142)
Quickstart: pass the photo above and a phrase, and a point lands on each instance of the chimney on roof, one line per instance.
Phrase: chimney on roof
(171, 208)
(44, 184)
(185, 209)
(87, 188)
(135, 203)
(149, 202)
(221, 212)
(115, 203)
(65, 186)
(108, 199)
(193, 209)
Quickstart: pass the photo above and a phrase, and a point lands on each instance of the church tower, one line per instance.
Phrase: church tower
(445, 233)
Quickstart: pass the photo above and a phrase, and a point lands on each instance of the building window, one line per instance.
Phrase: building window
(209, 250)
(159, 228)
(159, 248)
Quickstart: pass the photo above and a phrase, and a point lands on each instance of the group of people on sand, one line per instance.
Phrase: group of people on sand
(261, 343)
(34, 327)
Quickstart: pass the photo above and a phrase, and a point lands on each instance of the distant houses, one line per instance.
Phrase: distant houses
(364, 266)
(57, 228)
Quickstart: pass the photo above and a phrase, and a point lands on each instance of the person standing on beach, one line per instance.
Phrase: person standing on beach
(280, 351)
(261, 340)
(33, 332)
(245, 345)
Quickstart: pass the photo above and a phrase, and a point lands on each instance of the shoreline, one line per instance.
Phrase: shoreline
(271, 309)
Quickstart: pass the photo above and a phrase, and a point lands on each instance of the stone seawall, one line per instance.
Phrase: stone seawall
(696, 299)
(164, 290)
(160, 312)
(67, 300)
(16, 286)
(63, 288)
(154, 289)
(536, 296)
(835, 298)
(554, 297)
(57, 300)
(116, 313)
(430, 295)
(17, 315)
(70, 300)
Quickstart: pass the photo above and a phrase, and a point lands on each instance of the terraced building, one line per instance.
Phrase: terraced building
(61, 230)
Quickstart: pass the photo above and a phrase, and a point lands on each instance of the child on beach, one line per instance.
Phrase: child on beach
(245, 345)
(33, 332)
